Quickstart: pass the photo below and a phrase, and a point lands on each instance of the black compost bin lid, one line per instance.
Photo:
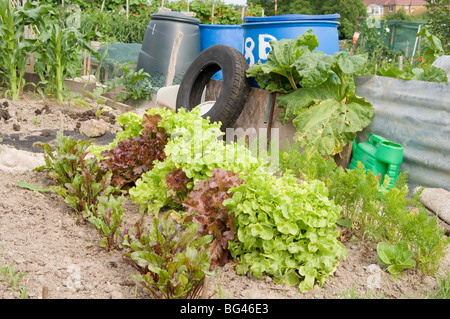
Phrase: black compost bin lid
(175, 16)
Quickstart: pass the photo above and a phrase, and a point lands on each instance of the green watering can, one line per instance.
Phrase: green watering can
(378, 155)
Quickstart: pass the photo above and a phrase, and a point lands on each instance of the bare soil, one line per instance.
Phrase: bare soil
(40, 234)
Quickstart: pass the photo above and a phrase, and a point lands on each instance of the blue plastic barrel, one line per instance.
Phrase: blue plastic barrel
(231, 35)
(258, 31)
(211, 34)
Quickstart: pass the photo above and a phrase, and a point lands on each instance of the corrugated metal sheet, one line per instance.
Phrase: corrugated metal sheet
(415, 114)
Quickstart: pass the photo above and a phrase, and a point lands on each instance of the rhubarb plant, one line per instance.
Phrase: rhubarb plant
(317, 92)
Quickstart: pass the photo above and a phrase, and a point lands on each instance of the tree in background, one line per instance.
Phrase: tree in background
(267, 5)
(298, 7)
(349, 10)
(439, 21)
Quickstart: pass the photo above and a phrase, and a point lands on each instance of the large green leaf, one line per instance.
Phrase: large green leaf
(279, 73)
(395, 257)
(314, 68)
(327, 117)
(348, 64)
(434, 49)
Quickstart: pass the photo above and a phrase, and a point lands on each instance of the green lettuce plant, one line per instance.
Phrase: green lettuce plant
(196, 146)
(396, 257)
(390, 217)
(285, 229)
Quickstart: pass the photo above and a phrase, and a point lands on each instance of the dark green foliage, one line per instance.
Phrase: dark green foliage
(390, 216)
(349, 10)
(135, 84)
(439, 20)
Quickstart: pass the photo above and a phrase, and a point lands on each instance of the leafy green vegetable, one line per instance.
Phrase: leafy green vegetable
(205, 206)
(285, 229)
(391, 216)
(80, 181)
(281, 61)
(107, 217)
(132, 124)
(134, 156)
(320, 99)
(434, 49)
(151, 191)
(327, 117)
(395, 257)
(32, 187)
(63, 164)
(421, 71)
(196, 146)
(134, 85)
(171, 263)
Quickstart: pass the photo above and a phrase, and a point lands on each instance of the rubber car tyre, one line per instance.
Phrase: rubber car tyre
(235, 86)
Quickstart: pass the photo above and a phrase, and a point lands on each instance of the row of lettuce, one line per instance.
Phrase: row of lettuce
(215, 201)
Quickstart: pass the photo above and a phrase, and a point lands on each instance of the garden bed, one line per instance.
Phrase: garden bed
(62, 258)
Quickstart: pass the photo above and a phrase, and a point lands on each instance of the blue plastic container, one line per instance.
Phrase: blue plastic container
(211, 34)
(258, 31)
(231, 35)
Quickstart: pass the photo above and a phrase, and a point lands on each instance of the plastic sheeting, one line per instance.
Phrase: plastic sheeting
(415, 114)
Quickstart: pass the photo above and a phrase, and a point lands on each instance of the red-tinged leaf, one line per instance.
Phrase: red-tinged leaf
(135, 155)
(205, 206)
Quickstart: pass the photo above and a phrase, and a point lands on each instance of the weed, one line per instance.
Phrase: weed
(12, 279)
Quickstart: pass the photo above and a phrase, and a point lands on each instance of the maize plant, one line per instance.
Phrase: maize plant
(58, 51)
(15, 48)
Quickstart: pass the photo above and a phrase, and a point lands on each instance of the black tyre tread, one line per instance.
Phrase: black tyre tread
(229, 106)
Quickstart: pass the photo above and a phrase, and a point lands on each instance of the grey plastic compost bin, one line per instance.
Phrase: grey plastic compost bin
(159, 39)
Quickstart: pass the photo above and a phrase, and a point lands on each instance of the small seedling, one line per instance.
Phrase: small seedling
(12, 279)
